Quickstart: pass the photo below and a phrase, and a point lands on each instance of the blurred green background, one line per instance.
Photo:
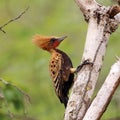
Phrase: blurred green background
(26, 66)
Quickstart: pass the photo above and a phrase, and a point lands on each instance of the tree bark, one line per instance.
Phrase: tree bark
(101, 23)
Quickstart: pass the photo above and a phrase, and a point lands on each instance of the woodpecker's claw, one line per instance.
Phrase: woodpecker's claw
(86, 62)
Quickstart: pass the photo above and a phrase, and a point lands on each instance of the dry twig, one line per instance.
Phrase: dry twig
(16, 18)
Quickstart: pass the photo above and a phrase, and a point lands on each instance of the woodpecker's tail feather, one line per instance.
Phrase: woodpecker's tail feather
(64, 100)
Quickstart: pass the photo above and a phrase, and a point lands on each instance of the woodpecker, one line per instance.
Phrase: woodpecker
(60, 66)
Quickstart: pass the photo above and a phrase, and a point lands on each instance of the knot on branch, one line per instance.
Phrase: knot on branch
(98, 14)
(111, 23)
(111, 26)
(86, 17)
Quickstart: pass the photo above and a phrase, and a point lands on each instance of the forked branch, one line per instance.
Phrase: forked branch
(104, 96)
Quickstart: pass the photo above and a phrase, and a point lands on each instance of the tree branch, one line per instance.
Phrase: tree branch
(22, 92)
(16, 18)
(105, 94)
(100, 27)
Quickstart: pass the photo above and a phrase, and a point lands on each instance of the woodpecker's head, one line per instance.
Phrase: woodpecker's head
(47, 43)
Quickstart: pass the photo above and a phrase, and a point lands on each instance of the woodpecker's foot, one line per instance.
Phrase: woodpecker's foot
(86, 62)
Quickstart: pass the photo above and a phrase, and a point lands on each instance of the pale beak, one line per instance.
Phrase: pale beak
(61, 38)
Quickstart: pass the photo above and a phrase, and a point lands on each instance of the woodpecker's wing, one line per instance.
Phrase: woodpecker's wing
(60, 65)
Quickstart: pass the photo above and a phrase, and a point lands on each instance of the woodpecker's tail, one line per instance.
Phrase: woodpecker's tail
(64, 100)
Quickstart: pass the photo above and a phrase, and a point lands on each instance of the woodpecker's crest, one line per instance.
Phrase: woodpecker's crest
(46, 42)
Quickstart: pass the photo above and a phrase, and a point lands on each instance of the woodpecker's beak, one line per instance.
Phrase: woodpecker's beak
(61, 38)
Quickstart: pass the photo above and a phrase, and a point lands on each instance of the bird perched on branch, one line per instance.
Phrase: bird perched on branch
(60, 66)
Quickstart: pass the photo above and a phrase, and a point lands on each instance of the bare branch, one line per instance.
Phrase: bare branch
(23, 93)
(105, 94)
(21, 14)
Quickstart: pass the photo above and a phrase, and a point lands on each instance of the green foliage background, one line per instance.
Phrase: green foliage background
(26, 66)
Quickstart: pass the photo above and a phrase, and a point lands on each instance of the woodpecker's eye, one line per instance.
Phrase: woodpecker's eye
(52, 40)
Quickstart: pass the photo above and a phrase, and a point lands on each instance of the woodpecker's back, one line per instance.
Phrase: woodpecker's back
(59, 67)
